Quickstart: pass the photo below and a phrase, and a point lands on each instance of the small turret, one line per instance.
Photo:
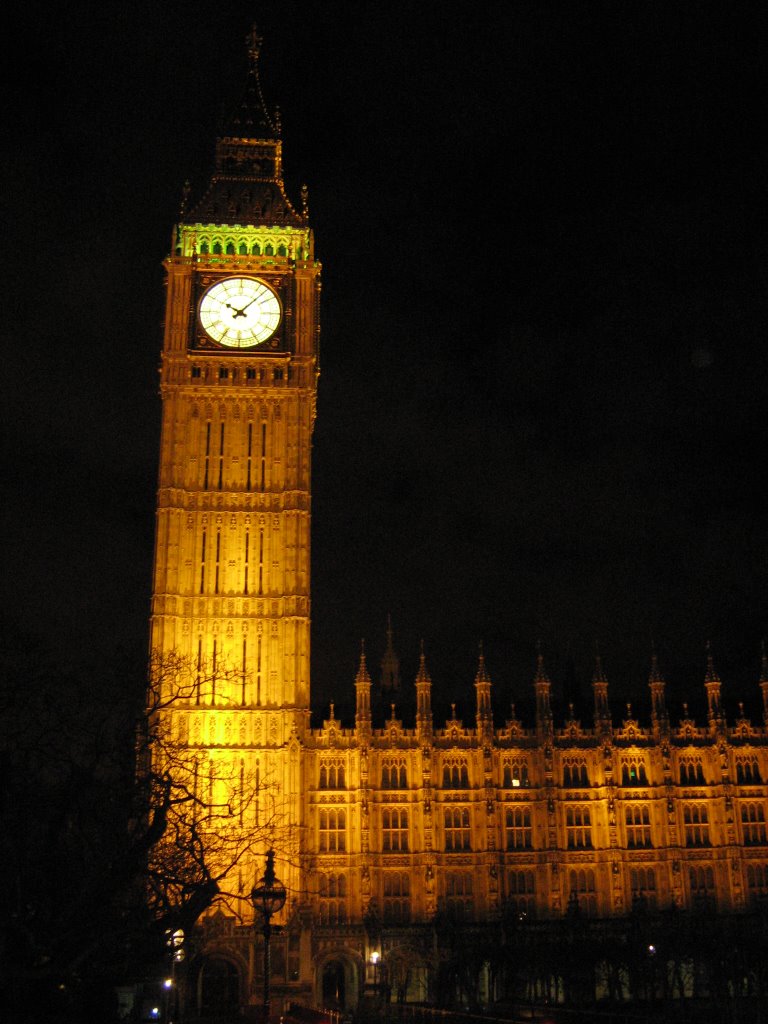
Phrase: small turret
(600, 691)
(543, 690)
(713, 686)
(363, 695)
(484, 711)
(657, 685)
(424, 722)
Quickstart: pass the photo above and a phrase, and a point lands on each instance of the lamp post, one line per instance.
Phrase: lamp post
(268, 898)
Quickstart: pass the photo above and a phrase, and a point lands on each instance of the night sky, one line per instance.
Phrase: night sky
(542, 406)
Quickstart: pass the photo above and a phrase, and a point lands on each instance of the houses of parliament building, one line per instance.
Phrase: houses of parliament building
(377, 826)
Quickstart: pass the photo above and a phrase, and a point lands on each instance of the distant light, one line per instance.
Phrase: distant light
(155, 1011)
(515, 783)
(168, 983)
(375, 957)
(652, 950)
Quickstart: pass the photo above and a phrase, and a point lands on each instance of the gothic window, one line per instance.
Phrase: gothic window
(515, 774)
(643, 884)
(269, 249)
(333, 825)
(638, 822)
(396, 902)
(521, 892)
(394, 829)
(702, 882)
(203, 248)
(216, 249)
(195, 372)
(575, 772)
(455, 774)
(518, 828)
(753, 824)
(633, 772)
(578, 828)
(757, 880)
(333, 899)
(747, 771)
(457, 829)
(256, 249)
(394, 775)
(282, 251)
(583, 890)
(458, 893)
(242, 249)
(691, 772)
(696, 825)
(332, 776)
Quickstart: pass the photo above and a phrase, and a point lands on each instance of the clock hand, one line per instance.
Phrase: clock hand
(241, 311)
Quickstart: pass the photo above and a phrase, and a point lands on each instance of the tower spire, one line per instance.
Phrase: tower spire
(600, 691)
(484, 712)
(543, 689)
(423, 698)
(713, 686)
(363, 695)
(657, 685)
(390, 665)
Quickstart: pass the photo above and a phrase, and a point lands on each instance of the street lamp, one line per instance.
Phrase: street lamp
(268, 898)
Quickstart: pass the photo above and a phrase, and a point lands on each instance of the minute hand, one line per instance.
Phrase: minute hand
(241, 311)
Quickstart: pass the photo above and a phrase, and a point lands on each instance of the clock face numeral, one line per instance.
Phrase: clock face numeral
(240, 312)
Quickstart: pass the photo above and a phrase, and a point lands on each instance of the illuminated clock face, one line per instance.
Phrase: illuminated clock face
(239, 312)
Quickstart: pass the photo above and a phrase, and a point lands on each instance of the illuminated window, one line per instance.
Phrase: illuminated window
(521, 893)
(394, 829)
(515, 774)
(691, 772)
(633, 773)
(333, 899)
(518, 828)
(583, 891)
(458, 893)
(394, 775)
(638, 822)
(333, 825)
(643, 884)
(747, 771)
(575, 772)
(696, 825)
(332, 775)
(578, 828)
(396, 902)
(753, 824)
(455, 774)
(458, 834)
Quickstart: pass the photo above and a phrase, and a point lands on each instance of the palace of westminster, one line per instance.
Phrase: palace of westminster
(379, 826)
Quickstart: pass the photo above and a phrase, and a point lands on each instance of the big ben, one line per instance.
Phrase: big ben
(231, 589)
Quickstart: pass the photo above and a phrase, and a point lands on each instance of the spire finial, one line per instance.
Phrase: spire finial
(253, 41)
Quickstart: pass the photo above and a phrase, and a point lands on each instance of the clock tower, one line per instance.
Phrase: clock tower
(230, 628)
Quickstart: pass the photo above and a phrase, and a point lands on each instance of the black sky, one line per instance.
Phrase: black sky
(542, 408)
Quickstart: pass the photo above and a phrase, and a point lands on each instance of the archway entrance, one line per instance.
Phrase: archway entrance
(334, 986)
(218, 987)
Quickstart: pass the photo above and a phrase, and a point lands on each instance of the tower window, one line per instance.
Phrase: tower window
(633, 773)
(638, 823)
(397, 896)
(256, 249)
(394, 830)
(691, 772)
(250, 373)
(458, 893)
(747, 771)
(696, 825)
(223, 372)
(458, 834)
(277, 374)
(519, 833)
(332, 776)
(583, 891)
(575, 772)
(753, 824)
(455, 775)
(333, 827)
(578, 828)
(393, 775)
(194, 372)
(243, 249)
(333, 899)
(521, 892)
(230, 249)
(515, 774)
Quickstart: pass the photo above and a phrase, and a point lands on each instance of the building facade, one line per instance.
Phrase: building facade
(378, 827)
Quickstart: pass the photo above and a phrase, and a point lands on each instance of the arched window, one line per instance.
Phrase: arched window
(333, 824)
(638, 823)
(518, 828)
(753, 824)
(583, 890)
(578, 828)
(458, 835)
(696, 825)
(216, 249)
(256, 249)
(396, 902)
(394, 830)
